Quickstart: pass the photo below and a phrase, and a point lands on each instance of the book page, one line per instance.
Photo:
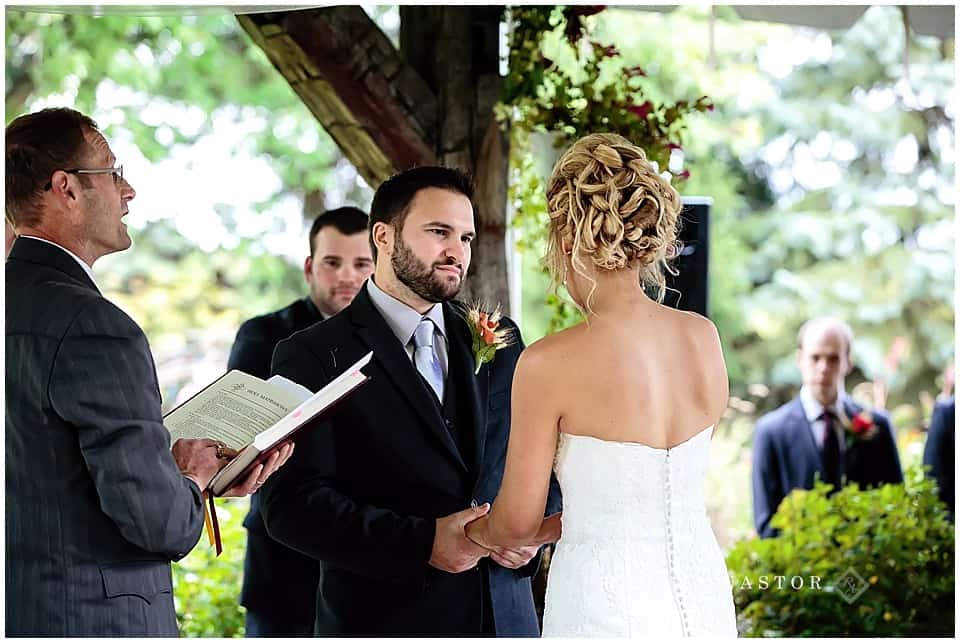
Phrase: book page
(296, 390)
(234, 409)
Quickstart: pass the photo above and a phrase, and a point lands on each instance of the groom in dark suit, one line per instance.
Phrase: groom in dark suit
(96, 504)
(338, 264)
(380, 493)
(808, 436)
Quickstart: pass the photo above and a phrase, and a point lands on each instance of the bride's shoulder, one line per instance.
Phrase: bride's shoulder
(695, 324)
(559, 340)
(549, 351)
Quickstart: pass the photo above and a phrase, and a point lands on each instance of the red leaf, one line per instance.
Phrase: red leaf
(642, 111)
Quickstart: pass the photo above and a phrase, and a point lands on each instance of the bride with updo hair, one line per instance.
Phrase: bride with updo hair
(621, 407)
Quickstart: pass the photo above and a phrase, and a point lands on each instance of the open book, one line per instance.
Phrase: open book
(254, 416)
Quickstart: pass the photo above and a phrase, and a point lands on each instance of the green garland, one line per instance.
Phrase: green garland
(603, 95)
(599, 93)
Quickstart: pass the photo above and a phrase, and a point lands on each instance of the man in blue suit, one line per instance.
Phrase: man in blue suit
(810, 436)
(939, 452)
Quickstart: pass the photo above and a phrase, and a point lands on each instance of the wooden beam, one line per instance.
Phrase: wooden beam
(373, 104)
(456, 48)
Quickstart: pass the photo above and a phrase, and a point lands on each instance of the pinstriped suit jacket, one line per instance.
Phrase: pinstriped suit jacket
(95, 505)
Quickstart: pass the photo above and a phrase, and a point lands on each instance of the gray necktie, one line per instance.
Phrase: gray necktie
(426, 358)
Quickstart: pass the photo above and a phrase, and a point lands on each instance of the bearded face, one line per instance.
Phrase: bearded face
(436, 281)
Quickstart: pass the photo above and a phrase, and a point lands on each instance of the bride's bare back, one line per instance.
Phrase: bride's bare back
(647, 374)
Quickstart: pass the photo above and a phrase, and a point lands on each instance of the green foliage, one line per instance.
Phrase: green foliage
(561, 81)
(897, 539)
(164, 81)
(543, 311)
(206, 587)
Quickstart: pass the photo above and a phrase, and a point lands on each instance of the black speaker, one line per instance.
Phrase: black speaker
(688, 289)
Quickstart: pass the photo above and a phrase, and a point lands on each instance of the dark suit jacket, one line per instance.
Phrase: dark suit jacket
(786, 457)
(95, 505)
(271, 569)
(363, 490)
(939, 452)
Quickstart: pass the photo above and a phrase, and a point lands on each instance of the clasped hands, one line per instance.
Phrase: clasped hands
(460, 542)
(201, 459)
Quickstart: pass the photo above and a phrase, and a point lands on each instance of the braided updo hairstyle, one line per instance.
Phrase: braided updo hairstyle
(610, 207)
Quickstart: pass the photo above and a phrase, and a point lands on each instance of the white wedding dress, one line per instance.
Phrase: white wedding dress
(637, 557)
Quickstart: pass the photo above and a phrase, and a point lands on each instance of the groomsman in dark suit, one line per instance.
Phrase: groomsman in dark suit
(381, 491)
(96, 504)
(816, 432)
(338, 264)
(939, 452)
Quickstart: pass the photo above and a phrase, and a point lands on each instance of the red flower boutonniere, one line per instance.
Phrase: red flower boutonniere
(487, 335)
(860, 428)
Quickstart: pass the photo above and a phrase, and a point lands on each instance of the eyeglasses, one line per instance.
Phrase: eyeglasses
(117, 173)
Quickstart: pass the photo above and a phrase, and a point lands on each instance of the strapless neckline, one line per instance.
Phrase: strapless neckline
(641, 445)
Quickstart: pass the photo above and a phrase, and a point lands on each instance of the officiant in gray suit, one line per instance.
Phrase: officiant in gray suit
(97, 505)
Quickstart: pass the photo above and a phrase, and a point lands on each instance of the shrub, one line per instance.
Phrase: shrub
(206, 587)
(878, 562)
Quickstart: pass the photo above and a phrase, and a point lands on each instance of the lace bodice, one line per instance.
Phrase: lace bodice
(638, 556)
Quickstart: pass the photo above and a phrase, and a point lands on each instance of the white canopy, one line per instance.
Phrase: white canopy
(926, 20)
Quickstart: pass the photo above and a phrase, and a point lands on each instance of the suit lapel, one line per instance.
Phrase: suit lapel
(473, 388)
(373, 330)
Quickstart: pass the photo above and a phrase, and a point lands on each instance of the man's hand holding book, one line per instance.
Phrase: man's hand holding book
(201, 459)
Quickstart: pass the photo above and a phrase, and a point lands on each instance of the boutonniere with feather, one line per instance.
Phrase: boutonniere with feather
(860, 428)
(487, 336)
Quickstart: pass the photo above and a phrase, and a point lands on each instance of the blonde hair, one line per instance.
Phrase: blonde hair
(607, 204)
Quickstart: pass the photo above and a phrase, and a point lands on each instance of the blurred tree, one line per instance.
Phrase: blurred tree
(859, 158)
(202, 62)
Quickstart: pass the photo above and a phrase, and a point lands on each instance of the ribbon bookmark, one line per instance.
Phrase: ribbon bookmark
(210, 522)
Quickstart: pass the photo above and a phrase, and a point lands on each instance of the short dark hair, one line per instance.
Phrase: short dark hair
(391, 202)
(38, 145)
(346, 220)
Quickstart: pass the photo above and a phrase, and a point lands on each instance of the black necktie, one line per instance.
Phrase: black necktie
(830, 452)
